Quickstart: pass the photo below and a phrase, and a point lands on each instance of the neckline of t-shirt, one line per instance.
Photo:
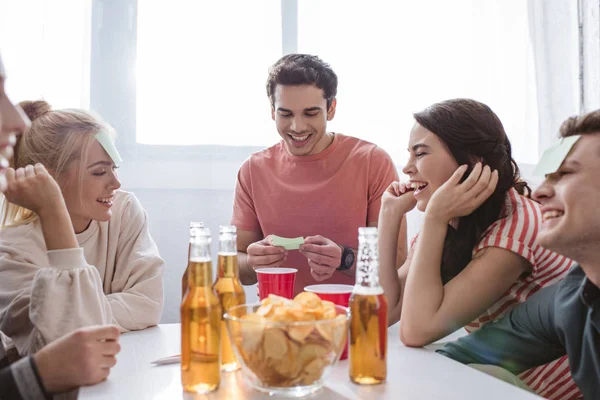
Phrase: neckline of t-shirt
(313, 157)
(88, 233)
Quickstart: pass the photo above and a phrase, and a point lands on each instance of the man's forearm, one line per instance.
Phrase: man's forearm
(247, 274)
(526, 337)
(22, 381)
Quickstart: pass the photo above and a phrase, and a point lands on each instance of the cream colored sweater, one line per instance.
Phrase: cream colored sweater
(115, 277)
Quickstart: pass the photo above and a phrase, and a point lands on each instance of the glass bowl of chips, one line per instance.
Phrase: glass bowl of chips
(288, 347)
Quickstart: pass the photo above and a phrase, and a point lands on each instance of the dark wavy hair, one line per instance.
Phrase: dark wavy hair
(472, 132)
(302, 69)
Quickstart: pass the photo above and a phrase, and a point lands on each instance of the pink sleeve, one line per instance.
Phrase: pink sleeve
(244, 213)
(382, 172)
(516, 232)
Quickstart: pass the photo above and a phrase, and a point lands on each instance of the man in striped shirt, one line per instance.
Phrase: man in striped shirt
(562, 319)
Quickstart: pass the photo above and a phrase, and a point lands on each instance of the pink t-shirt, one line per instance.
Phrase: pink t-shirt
(331, 194)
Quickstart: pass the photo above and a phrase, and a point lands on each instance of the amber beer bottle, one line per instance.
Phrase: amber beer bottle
(200, 321)
(184, 278)
(369, 309)
(229, 290)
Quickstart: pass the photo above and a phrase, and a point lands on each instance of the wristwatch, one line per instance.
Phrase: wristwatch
(347, 258)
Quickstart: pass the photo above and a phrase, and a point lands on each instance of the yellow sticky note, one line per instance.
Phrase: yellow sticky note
(287, 243)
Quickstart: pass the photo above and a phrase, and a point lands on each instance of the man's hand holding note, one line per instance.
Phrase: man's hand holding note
(263, 254)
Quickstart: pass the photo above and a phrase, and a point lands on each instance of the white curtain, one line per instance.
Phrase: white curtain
(566, 46)
(589, 19)
(555, 36)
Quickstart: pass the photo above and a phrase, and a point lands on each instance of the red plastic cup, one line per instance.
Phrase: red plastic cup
(279, 281)
(337, 294)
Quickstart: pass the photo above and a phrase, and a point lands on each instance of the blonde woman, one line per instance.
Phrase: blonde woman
(74, 249)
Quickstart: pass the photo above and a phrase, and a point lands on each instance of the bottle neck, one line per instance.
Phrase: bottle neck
(200, 274)
(200, 265)
(228, 265)
(228, 259)
(367, 264)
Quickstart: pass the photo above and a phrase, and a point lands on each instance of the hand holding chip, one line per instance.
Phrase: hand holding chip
(324, 256)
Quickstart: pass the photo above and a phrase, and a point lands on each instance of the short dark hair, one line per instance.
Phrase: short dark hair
(581, 124)
(302, 69)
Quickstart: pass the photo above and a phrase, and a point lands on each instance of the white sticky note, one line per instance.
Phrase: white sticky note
(287, 243)
(554, 156)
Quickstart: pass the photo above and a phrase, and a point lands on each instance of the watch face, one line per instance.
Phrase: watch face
(349, 260)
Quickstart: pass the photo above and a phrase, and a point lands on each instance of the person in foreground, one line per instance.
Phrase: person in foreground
(563, 318)
(315, 184)
(74, 250)
(80, 358)
(476, 255)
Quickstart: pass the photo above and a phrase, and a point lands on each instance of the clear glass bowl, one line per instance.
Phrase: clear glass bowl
(289, 359)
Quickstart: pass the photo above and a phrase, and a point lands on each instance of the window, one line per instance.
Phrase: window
(201, 72)
(182, 76)
(395, 58)
(46, 48)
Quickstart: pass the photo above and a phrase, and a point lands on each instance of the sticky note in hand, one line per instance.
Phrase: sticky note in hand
(554, 156)
(287, 243)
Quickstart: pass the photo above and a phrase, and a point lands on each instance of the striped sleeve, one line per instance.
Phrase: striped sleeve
(517, 231)
(413, 242)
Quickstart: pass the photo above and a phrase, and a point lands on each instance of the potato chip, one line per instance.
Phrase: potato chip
(325, 331)
(281, 314)
(289, 367)
(300, 333)
(308, 300)
(252, 333)
(265, 310)
(313, 370)
(310, 351)
(275, 343)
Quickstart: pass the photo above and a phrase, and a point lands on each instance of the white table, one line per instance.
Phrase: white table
(412, 374)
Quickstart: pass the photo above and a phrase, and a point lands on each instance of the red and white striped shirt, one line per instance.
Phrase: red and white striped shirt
(517, 232)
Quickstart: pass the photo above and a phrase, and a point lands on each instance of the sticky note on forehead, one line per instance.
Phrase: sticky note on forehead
(554, 156)
(287, 243)
(108, 144)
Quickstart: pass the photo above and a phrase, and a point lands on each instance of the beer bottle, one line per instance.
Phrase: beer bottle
(368, 308)
(200, 320)
(184, 278)
(229, 290)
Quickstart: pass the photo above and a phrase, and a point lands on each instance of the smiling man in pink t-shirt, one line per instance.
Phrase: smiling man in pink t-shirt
(316, 184)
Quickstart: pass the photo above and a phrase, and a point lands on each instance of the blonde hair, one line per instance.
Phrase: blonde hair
(55, 139)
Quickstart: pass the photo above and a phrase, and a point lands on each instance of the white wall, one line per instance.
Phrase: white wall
(170, 212)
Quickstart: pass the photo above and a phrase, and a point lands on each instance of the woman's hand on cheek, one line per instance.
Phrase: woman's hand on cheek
(454, 199)
(34, 188)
